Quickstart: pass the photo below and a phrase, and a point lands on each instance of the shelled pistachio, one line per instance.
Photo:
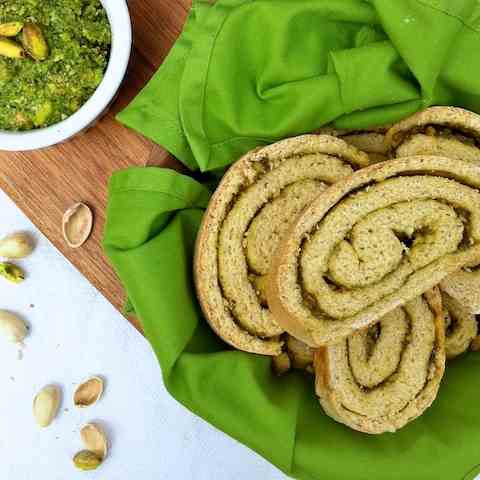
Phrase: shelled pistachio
(11, 272)
(10, 29)
(86, 460)
(11, 49)
(34, 42)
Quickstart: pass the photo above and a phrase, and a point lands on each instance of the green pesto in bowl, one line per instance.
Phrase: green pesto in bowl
(38, 93)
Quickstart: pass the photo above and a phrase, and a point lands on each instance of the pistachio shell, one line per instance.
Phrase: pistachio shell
(17, 245)
(12, 327)
(45, 405)
(88, 393)
(86, 460)
(77, 225)
(94, 439)
(34, 42)
(10, 29)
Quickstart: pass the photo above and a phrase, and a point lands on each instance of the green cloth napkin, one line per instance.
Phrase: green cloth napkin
(242, 74)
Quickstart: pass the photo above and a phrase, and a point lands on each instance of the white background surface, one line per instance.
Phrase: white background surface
(76, 333)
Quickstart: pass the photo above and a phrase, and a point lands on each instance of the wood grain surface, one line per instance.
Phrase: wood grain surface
(45, 183)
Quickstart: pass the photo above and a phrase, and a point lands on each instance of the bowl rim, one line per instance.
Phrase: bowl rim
(121, 27)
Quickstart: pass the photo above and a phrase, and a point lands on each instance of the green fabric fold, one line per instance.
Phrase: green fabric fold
(351, 62)
(246, 73)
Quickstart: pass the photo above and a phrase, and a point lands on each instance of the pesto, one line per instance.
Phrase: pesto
(35, 94)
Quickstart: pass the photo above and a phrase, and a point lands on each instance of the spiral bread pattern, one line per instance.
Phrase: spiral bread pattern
(251, 210)
(449, 132)
(372, 242)
(385, 376)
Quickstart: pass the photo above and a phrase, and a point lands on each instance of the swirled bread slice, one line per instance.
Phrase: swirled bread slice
(461, 326)
(442, 131)
(255, 203)
(382, 378)
(372, 242)
(454, 133)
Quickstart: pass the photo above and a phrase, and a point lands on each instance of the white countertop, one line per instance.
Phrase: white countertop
(76, 333)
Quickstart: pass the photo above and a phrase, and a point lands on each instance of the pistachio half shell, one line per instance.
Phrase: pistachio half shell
(88, 393)
(77, 225)
(12, 327)
(45, 405)
(94, 439)
(86, 460)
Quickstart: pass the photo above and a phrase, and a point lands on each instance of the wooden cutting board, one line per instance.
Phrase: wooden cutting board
(45, 183)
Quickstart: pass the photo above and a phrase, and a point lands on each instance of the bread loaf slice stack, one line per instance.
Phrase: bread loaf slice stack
(329, 259)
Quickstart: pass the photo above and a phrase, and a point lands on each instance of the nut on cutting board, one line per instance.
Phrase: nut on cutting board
(77, 225)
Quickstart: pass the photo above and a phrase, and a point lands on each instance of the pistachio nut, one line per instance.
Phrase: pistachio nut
(281, 364)
(17, 245)
(86, 460)
(12, 328)
(10, 29)
(77, 225)
(43, 114)
(11, 49)
(11, 272)
(88, 393)
(94, 440)
(34, 42)
(45, 405)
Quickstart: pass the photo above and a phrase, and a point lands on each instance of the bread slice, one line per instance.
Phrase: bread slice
(372, 242)
(442, 131)
(382, 378)
(461, 326)
(449, 132)
(255, 203)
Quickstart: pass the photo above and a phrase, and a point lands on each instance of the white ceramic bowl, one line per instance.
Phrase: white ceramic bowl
(121, 27)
